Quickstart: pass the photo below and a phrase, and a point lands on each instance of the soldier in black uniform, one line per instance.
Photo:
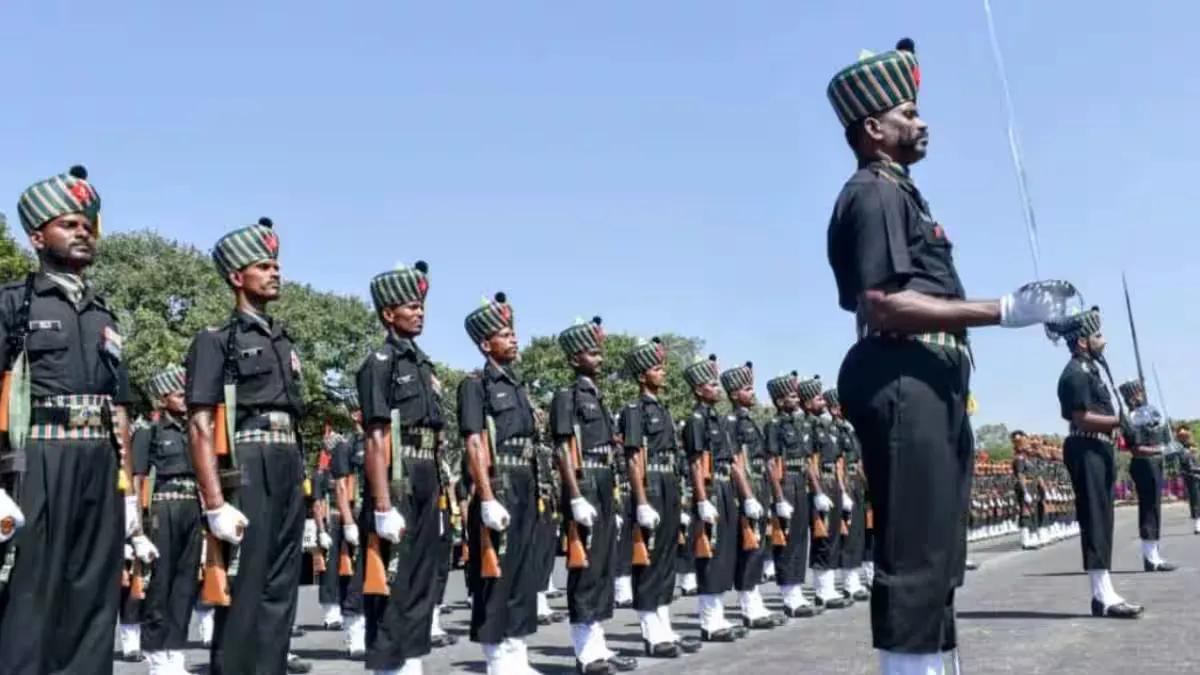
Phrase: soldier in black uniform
(830, 502)
(685, 556)
(546, 538)
(61, 521)
(648, 433)
(174, 523)
(851, 548)
(254, 353)
(1189, 466)
(402, 419)
(1147, 437)
(710, 454)
(1086, 404)
(753, 538)
(788, 447)
(1023, 487)
(347, 467)
(582, 427)
(330, 585)
(904, 384)
(496, 420)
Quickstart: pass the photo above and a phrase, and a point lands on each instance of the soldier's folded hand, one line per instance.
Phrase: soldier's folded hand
(583, 512)
(847, 503)
(11, 518)
(324, 541)
(1028, 498)
(133, 516)
(227, 523)
(647, 517)
(128, 552)
(390, 525)
(144, 549)
(350, 534)
(752, 508)
(708, 512)
(685, 519)
(822, 502)
(494, 515)
(1039, 302)
(784, 510)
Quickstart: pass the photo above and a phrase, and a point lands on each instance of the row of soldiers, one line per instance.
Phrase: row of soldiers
(1031, 495)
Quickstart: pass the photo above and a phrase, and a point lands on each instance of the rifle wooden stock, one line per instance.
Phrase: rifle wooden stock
(318, 562)
(641, 554)
(749, 536)
(345, 562)
(214, 587)
(220, 431)
(576, 553)
(778, 536)
(5, 395)
(143, 493)
(374, 572)
(7, 525)
(702, 547)
(489, 559)
(820, 528)
(870, 518)
(137, 583)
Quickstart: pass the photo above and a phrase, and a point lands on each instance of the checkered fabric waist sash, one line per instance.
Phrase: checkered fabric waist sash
(938, 340)
(1091, 435)
(71, 417)
(515, 453)
(175, 490)
(599, 457)
(274, 427)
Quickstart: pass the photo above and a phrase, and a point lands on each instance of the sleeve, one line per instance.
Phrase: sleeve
(771, 444)
(694, 441)
(873, 248)
(562, 415)
(206, 369)
(339, 461)
(1074, 392)
(470, 406)
(6, 315)
(122, 393)
(141, 451)
(630, 427)
(372, 381)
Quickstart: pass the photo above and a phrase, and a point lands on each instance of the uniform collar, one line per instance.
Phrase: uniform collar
(169, 420)
(262, 323)
(741, 412)
(405, 346)
(43, 284)
(495, 372)
(585, 383)
(649, 398)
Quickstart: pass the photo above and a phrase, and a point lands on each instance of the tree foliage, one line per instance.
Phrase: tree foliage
(14, 260)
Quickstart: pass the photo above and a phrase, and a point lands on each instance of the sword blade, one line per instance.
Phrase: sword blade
(1137, 352)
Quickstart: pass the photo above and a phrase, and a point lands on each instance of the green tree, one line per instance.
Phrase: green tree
(15, 262)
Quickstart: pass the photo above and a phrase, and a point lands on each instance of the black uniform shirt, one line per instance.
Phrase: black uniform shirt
(349, 459)
(788, 436)
(1080, 388)
(162, 446)
(322, 485)
(747, 437)
(647, 423)
(399, 375)
(825, 439)
(265, 359)
(705, 431)
(71, 351)
(848, 440)
(581, 404)
(881, 236)
(496, 392)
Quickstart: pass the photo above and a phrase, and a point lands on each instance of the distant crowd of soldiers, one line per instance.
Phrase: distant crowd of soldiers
(1031, 495)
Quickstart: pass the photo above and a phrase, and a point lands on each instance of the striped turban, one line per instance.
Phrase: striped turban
(493, 317)
(702, 371)
(810, 388)
(167, 381)
(400, 286)
(876, 83)
(246, 246)
(1081, 325)
(582, 337)
(645, 356)
(59, 195)
(737, 378)
(780, 387)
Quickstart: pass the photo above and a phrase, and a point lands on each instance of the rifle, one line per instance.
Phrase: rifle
(641, 554)
(778, 535)
(576, 550)
(820, 522)
(214, 589)
(489, 558)
(15, 408)
(703, 548)
(749, 534)
(376, 575)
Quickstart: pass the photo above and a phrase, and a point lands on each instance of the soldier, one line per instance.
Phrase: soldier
(250, 362)
(162, 447)
(129, 618)
(549, 485)
(347, 467)
(1190, 467)
(894, 269)
(710, 455)
(1146, 436)
(583, 430)
(648, 433)
(685, 557)
(850, 553)
(496, 421)
(1022, 469)
(60, 348)
(402, 421)
(753, 487)
(788, 445)
(831, 504)
(1086, 404)
(330, 585)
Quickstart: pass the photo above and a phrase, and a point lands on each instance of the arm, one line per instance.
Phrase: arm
(478, 464)
(121, 428)
(637, 475)
(377, 466)
(739, 475)
(1092, 421)
(699, 494)
(841, 473)
(341, 488)
(814, 474)
(914, 312)
(774, 471)
(204, 459)
(566, 469)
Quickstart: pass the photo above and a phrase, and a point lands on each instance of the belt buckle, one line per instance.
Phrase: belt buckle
(279, 421)
(84, 416)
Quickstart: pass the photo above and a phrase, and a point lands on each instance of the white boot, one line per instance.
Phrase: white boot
(435, 625)
(588, 641)
(1196, 526)
(712, 613)
(1102, 588)
(178, 663)
(519, 657)
(1150, 552)
(893, 663)
(869, 573)
(332, 615)
(654, 631)
(355, 639)
(623, 590)
(131, 638)
(853, 583)
(689, 585)
(204, 616)
(543, 605)
(159, 663)
(664, 620)
(495, 655)
(752, 604)
(769, 569)
(410, 667)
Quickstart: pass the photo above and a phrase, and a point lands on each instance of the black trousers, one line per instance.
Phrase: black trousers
(1193, 490)
(623, 537)
(715, 575)
(654, 584)
(545, 546)
(59, 607)
(1093, 472)
(907, 401)
(175, 531)
(402, 627)
(251, 635)
(132, 609)
(590, 590)
(824, 552)
(748, 571)
(791, 560)
(331, 587)
(850, 554)
(442, 562)
(506, 607)
(353, 602)
(1147, 473)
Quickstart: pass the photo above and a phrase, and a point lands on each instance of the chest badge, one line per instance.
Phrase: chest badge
(295, 362)
(111, 342)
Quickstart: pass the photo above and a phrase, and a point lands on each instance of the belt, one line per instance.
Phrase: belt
(1092, 435)
(272, 426)
(665, 464)
(722, 471)
(515, 445)
(176, 483)
(602, 450)
(70, 417)
(796, 463)
(172, 496)
(413, 453)
(852, 469)
(513, 461)
(939, 339)
(828, 467)
(419, 438)
(596, 462)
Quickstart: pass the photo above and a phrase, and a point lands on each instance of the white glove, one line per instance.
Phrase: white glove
(618, 521)
(647, 517)
(708, 512)
(133, 516)
(784, 510)
(350, 534)
(583, 512)
(227, 523)
(10, 510)
(822, 502)
(144, 549)
(390, 525)
(847, 503)
(494, 515)
(324, 541)
(128, 552)
(685, 519)
(752, 509)
(1038, 302)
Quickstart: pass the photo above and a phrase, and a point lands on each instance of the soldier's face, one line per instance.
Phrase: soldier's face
(1184, 435)
(1096, 343)
(744, 396)
(408, 319)
(655, 378)
(708, 392)
(900, 132)
(175, 403)
(68, 240)
(788, 402)
(588, 361)
(815, 405)
(260, 280)
(501, 346)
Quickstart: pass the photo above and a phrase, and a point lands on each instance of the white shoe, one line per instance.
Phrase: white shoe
(355, 639)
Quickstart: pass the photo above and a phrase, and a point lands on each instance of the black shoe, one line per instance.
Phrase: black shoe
(133, 657)
(1163, 566)
(443, 640)
(295, 664)
(662, 650)
(801, 612)
(972, 565)
(761, 623)
(332, 625)
(689, 645)
(862, 595)
(556, 593)
(687, 593)
(833, 603)
(623, 605)
(600, 667)
(724, 634)
(1121, 610)
(622, 664)
(297, 631)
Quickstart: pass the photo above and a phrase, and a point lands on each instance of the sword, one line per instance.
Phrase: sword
(1137, 352)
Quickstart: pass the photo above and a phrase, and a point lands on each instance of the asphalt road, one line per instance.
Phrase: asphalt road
(1022, 612)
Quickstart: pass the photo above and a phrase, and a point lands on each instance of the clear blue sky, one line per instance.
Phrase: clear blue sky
(669, 165)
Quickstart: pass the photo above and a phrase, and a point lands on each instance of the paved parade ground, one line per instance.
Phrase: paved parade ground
(1021, 612)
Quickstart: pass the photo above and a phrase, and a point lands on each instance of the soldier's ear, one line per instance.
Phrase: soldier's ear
(236, 279)
(386, 315)
(872, 129)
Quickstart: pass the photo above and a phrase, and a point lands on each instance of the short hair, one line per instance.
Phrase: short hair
(1013, 435)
